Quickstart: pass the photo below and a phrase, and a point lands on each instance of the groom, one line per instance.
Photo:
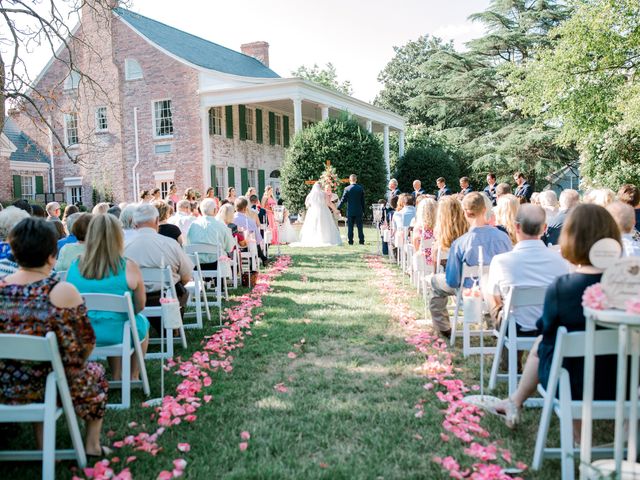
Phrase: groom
(353, 195)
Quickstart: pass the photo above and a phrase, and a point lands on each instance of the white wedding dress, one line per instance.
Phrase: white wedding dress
(319, 228)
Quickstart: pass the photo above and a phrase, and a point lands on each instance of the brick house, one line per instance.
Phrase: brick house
(178, 108)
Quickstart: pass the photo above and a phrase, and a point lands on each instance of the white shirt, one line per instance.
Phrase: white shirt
(183, 221)
(531, 264)
(630, 247)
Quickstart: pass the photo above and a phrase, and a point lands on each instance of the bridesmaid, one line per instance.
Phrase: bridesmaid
(268, 202)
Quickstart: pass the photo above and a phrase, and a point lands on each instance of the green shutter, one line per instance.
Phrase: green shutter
(211, 131)
(228, 113)
(260, 183)
(17, 186)
(272, 128)
(242, 119)
(258, 125)
(244, 180)
(213, 178)
(231, 174)
(285, 130)
(39, 184)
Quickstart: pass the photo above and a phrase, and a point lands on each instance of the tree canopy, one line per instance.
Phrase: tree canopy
(327, 77)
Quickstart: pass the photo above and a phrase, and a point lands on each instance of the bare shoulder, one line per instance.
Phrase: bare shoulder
(65, 295)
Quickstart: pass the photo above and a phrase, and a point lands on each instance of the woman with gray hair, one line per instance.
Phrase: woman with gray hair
(9, 218)
(549, 202)
(126, 219)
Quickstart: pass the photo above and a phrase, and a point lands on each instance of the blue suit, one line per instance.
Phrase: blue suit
(353, 196)
(443, 192)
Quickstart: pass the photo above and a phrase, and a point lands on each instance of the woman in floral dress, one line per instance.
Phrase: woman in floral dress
(268, 202)
(425, 222)
(35, 303)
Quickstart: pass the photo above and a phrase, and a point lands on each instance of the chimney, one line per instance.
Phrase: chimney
(257, 50)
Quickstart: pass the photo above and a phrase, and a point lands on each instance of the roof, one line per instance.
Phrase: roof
(26, 149)
(196, 50)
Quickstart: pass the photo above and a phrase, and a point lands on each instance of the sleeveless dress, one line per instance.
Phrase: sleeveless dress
(106, 325)
(26, 310)
(271, 220)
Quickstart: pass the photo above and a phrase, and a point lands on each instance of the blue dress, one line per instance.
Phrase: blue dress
(107, 326)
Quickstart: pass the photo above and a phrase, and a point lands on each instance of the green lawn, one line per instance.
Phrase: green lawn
(348, 411)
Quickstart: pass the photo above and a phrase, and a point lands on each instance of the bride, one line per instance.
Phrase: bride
(319, 228)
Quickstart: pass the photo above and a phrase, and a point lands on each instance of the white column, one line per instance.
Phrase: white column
(297, 114)
(369, 126)
(206, 149)
(325, 112)
(401, 144)
(386, 149)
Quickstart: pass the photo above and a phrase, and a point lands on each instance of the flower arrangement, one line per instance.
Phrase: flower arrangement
(594, 297)
(330, 177)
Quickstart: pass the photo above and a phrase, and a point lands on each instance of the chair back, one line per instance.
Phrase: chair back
(28, 347)
(154, 277)
(474, 271)
(102, 302)
(571, 345)
(524, 296)
(200, 248)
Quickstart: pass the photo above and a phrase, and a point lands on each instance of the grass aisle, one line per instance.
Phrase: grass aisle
(349, 407)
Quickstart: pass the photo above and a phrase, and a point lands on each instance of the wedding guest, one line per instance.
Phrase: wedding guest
(505, 212)
(625, 218)
(464, 250)
(35, 303)
(450, 225)
(68, 210)
(523, 189)
(490, 189)
(145, 196)
(115, 210)
(72, 250)
(100, 209)
(405, 212)
(530, 263)
(392, 192)
(226, 215)
(261, 212)
(417, 189)
(207, 229)
(149, 249)
(443, 190)
(599, 196)
(9, 218)
(549, 202)
(268, 202)
(53, 211)
(103, 268)
(182, 218)
(22, 204)
(164, 228)
(248, 225)
(426, 212)
(231, 194)
(585, 225)
(38, 211)
(173, 195)
(156, 195)
(251, 191)
(70, 238)
(535, 198)
(630, 194)
(502, 189)
(126, 219)
(465, 187)
(568, 200)
(190, 195)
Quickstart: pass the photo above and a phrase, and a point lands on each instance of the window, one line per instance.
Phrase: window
(164, 188)
(75, 195)
(132, 69)
(278, 129)
(72, 81)
(71, 128)
(28, 185)
(162, 118)
(215, 121)
(162, 148)
(249, 122)
(101, 119)
(220, 188)
(253, 178)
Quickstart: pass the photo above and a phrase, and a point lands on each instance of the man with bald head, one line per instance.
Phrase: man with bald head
(530, 263)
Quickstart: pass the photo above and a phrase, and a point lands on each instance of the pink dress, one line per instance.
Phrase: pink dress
(273, 225)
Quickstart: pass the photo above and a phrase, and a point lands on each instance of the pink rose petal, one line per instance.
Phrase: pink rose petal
(184, 447)
(245, 435)
(243, 446)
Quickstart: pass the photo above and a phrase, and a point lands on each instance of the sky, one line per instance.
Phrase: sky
(357, 36)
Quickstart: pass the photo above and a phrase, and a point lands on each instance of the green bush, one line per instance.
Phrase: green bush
(426, 163)
(349, 147)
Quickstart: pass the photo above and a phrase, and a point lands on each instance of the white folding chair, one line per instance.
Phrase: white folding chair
(62, 275)
(517, 297)
(220, 283)
(38, 349)
(571, 345)
(197, 295)
(161, 278)
(469, 272)
(100, 302)
(249, 259)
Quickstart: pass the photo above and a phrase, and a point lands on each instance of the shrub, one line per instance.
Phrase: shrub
(426, 163)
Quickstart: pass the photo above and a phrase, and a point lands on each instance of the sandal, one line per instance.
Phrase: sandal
(104, 452)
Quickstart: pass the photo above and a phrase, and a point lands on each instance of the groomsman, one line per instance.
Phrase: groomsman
(393, 191)
(442, 188)
(490, 189)
(417, 189)
(465, 187)
(523, 190)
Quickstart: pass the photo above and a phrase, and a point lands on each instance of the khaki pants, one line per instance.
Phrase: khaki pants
(438, 303)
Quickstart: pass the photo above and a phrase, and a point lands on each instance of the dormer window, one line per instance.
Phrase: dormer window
(132, 69)
(72, 81)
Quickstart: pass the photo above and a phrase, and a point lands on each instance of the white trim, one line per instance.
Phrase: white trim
(106, 116)
(153, 119)
(6, 146)
(164, 175)
(72, 181)
(28, 166)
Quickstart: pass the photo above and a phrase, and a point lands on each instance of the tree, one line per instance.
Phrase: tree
(326, 77)
(350, 149)
(586, 84)
(48, 24)
(425, 163)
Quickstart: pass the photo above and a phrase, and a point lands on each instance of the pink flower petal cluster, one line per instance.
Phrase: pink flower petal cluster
(595, 298)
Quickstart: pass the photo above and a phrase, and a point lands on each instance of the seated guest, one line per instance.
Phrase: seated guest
(102, 268)
(585, 225)
(35, 303)
(226, 215)
(149, 249)
(71, 251)
(126, 220)
(22, 204)
(423, 227)
(208, 230)
(115, 211)
(70, 238)
(261, 212)
(182, 218)
(502, 189)
(630, 194)
(100, 208)
(625, 218)
(549, 201)
(599, 196)
(450, 225)
(530, 263)
(68, 211)
(242, 220)
(568, 200)
(38, 211)
(165, 228)
(405, 212)
(465, 187)
(464, 250)
(505, 215)
(9, 218)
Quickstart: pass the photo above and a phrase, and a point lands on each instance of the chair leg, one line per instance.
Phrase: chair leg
(456, 314)
(183, 337)
(125, 375)
(49, 431)
(496, 363)
(512, 349)
(543, 427)
(566, 427)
